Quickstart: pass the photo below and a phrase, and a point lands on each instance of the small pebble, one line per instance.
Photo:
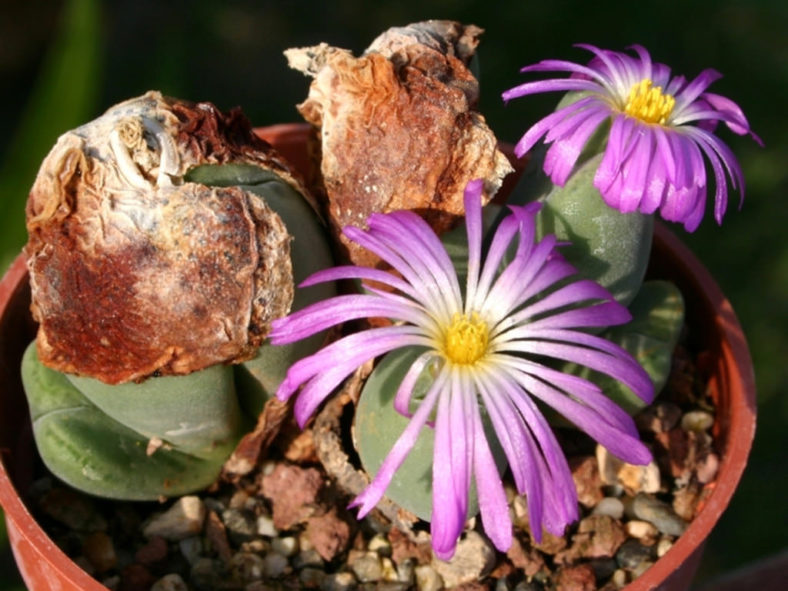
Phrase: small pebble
(663, 546)
(100, 551)
(183, 519)
(72, 509)
(527, 586)
(265, 527)
(241, 525)
(205, 573)
(308, 558)
(191, 549)
(112, 582)
(427, 578)
(389, 570)
(276, 565)
(635, 478)
(697, 420)
(661, 515)
(406, 571)
(246, 566)
(502, 584)
(287, 546)
(473, 559)
(171, 582)
(707, 468)
(641, 529)
(610, 506)
(338, 582)
(619, 578)
(311, 577)
(603, 568)
(380, 544)
(641, 568)
(366, 566)
(632, 553)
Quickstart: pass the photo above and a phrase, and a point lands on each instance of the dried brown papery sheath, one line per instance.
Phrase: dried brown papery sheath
(397, 126)
(135, 272)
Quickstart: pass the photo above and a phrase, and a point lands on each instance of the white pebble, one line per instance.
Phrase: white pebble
(182, 520)
(663, 546)
(265, 527)
(428, 579)
(171, 582)
(286, 546)
(276, 565)
(610, 506)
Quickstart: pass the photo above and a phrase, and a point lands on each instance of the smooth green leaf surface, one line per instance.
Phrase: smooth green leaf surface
(93, 452)
(608, 246)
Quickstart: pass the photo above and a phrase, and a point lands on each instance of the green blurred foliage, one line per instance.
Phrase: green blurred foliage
(231, 54)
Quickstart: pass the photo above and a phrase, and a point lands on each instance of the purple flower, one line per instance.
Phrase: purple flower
(490, 346)
(661, 129)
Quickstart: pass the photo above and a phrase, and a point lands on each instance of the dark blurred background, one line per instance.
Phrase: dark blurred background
(63, 62)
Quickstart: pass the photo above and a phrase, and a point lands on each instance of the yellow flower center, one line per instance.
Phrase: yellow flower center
(466, 339)
(649, 104)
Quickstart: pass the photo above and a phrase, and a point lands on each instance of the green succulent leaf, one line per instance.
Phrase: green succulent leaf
(650, 337)
(155, 451)
(377, 426)
(259, 378)
(605, 245)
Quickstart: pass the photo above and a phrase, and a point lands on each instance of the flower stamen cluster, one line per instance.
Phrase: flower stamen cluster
(466, 339)
(648, 103)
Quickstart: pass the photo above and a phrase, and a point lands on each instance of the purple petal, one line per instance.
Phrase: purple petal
(736, 120)
(473, 224)
(515, 439)
(493, 506)
(563, 154)
(324, 370)
(541, 127)
(405, 390)
(620, 444)
(363, 273)
(336, 310)
(370, 496)
(448, 515)
(555, 84)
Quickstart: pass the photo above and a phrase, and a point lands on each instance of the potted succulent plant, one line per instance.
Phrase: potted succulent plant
(467, 329)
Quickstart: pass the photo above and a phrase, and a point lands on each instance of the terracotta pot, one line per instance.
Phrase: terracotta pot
(714, 327)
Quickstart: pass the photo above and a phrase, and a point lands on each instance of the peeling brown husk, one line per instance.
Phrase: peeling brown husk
(398, 127)
(135, 272)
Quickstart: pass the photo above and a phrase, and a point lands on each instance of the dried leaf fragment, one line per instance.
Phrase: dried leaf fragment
(135, 272)
(398, 126)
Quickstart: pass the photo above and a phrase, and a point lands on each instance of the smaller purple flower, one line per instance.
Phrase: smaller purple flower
(491, 348)
(661, 129)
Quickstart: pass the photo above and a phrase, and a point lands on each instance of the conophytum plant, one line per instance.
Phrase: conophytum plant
(164, 237)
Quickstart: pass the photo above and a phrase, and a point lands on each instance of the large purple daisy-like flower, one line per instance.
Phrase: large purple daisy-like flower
(489, 347)
(661, 129)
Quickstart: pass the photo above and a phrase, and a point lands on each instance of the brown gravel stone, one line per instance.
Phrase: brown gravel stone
(100, 551)
(152, 552)
(328, 533)
(685, 501)
(293, 493)
(216, 533)
(576, 578)
(585, 473)
(136, 577)
(402, 548)
(528, 560)
(598, 536)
